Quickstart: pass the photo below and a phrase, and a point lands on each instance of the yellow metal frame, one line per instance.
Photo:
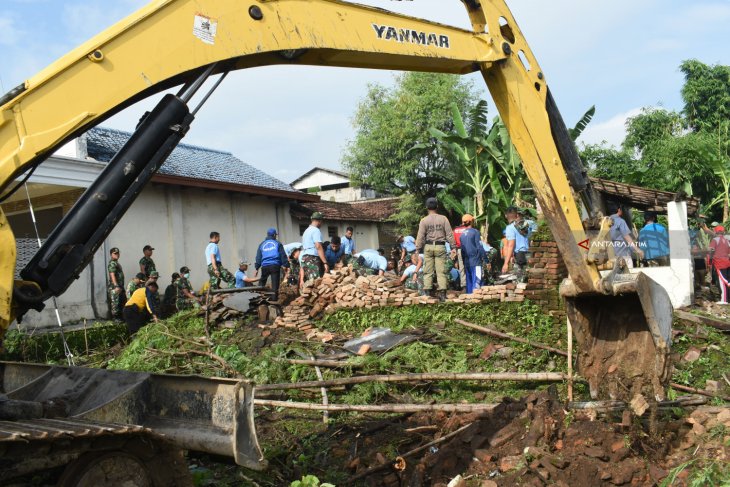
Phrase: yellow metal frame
(155, 48)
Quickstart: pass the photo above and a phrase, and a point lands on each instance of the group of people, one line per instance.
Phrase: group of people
(451, 258)
(139, 301)
(711, 250)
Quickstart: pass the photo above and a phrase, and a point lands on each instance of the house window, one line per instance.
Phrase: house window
(302, 229)
(331, 232)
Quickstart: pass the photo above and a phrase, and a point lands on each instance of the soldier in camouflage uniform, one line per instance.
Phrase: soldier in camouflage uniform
(186, 299)
(136, 283)
(146, 264)
(414, 269)
(293, 250)
(314, 262)
(117, 298)
(216, 271)
(154, 276)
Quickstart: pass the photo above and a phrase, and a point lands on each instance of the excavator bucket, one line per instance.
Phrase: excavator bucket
(623, 338)
(212, 415)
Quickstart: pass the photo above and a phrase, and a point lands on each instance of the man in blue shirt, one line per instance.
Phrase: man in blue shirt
(518, 243)
(312, 255)
(408, 247)
(654, 241)
(623, 242)
(412, 275)
(270, 258)
(348, 244)
(216, 271)
(472, 253)
(242, 280)
(334, 252)
(371, 262)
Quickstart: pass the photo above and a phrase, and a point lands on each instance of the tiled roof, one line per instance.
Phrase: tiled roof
(189, 161)
(641, 198)
(331, 211)
(379, 209)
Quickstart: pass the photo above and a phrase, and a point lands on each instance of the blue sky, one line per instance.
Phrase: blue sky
(619, 55)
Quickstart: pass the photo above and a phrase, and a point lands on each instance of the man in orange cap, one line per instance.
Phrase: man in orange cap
(472, 253)
(720, 256)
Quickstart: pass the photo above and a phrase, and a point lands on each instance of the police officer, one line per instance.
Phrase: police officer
(117, 298)
(434, 232)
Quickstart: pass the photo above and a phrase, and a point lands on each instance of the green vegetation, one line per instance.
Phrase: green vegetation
(672, 151)
(389, 121)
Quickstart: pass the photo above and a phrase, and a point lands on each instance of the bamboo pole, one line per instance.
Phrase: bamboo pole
(325, 399)
(379, 408)
(570, 359)
(384, 466)
(680, 387)
(360, 379)
(499, 334)
(320, 363)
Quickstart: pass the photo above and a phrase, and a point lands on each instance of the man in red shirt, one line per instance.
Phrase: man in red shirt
(457, 236)
(720, 255)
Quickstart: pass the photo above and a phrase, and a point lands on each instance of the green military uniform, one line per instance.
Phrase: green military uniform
(132, 287)
(183, 302)
(294, 275)
(148, 265)
(416, 285)
(310, 265)
(225, 276)
(117, 298)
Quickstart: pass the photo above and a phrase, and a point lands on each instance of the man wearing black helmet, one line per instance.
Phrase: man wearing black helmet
(434, 231)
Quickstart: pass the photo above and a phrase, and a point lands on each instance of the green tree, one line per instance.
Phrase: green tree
(706, 95)
(389, 122)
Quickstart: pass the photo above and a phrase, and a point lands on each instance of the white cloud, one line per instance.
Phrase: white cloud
(9, 32)
(611, 131)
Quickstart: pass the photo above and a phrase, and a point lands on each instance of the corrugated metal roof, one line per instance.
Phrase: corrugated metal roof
(188, 161)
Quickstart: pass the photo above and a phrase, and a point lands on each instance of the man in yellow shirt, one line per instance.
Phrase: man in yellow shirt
(141, 307)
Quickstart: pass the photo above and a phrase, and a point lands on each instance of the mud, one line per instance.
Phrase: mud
(535, 442)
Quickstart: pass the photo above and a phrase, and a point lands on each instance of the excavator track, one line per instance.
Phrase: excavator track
(94, 454)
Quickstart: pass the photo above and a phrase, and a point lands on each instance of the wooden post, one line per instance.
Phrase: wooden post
(570, 359)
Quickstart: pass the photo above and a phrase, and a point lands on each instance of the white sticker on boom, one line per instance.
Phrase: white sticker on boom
(204, 28)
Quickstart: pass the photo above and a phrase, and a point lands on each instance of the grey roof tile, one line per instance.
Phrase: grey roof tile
(188, 161)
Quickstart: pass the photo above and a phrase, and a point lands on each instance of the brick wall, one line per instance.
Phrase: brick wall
(546, 270)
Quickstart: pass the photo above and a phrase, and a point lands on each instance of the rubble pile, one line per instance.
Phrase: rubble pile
(343, 288)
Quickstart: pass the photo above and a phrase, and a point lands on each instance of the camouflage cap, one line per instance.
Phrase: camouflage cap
(114, 250)
(316, 216)
(154, 274)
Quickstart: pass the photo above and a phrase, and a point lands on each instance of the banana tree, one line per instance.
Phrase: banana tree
(487, 175)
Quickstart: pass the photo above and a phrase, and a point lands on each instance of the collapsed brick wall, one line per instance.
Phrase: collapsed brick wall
(545, 272)
(345, 289)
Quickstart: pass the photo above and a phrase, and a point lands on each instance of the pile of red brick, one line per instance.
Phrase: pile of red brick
(545, 272)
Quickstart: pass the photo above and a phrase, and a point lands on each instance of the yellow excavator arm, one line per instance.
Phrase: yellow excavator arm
(172, 42)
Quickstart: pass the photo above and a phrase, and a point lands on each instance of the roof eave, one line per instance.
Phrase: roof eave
(233, 187)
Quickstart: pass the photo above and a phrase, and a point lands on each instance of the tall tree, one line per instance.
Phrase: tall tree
(389, 122)
(706, 95)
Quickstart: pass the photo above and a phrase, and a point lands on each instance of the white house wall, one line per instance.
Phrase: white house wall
(176, 222)
(319, 179)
